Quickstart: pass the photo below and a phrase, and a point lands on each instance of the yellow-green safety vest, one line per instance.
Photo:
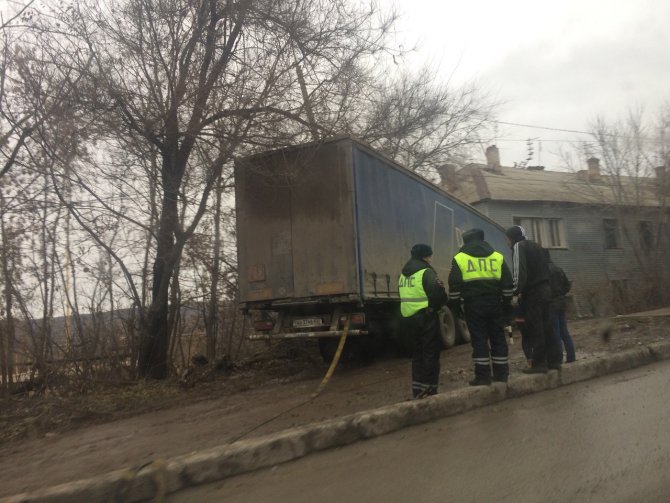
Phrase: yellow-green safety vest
(413, 297)
(477, 268)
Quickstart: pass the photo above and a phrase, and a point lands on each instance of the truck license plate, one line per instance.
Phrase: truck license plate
(307, 322)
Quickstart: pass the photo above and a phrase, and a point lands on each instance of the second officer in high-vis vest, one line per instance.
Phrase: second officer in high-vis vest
(481, 278)
(422, 294)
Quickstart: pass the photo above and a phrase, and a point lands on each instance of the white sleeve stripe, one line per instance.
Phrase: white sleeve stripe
(515, 265)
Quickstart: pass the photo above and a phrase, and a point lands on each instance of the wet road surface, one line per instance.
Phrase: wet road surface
(605, 440)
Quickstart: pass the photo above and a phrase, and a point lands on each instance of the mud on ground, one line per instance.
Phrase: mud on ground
(51, 438)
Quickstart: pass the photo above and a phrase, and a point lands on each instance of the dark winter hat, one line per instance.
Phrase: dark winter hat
(421, 251)
(473, 235)
(516, 233)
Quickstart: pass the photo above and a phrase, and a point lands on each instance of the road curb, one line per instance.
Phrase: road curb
(166, 476)
(660, 350)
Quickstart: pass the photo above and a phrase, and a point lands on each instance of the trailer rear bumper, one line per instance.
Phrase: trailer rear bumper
(305, 335)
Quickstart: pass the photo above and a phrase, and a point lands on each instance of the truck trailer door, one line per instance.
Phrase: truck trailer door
(265, 248)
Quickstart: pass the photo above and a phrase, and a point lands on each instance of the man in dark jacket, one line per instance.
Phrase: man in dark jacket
(422, 294)
(560, 285)
(481, 278)
(531, 284)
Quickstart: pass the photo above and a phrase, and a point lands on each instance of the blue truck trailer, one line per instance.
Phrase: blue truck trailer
(323, 230)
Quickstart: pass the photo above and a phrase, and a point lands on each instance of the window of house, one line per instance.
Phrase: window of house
(646, 235)
(611, 227)
(548, 232)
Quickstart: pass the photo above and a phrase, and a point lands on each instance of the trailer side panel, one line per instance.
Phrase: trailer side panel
(396, 209)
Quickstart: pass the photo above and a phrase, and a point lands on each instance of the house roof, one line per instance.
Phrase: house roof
(476, 183)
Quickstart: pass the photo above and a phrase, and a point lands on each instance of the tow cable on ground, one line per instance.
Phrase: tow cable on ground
(159, 465)
(322, 386)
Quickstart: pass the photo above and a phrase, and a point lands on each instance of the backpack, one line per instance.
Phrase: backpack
(558, 281)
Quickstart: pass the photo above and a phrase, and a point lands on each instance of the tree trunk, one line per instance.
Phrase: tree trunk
(48, 273)
(174, 314)
(3, 358)
(211, 322)
(153, 357)
(7, 348)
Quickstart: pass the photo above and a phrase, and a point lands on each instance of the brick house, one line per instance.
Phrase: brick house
(609, 233)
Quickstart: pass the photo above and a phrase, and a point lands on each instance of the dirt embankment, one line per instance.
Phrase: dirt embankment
(68, 436)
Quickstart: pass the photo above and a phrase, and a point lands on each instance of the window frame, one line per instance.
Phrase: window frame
(547, 231)
(616, 229)
(645, 234)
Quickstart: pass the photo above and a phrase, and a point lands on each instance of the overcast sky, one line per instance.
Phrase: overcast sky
(555, 64)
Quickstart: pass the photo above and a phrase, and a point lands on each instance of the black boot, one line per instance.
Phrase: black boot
(540, 369)
(480, 381)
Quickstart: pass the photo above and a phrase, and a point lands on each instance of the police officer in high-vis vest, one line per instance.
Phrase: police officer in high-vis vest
(422, 294)
(481, 278)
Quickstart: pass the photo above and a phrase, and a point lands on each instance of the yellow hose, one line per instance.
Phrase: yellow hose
(336, 358)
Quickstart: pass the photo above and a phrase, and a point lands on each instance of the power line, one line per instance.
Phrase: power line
(531, 126)
(542, 139)
(539, 127)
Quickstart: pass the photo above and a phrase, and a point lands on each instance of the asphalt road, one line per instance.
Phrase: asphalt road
(605, 440)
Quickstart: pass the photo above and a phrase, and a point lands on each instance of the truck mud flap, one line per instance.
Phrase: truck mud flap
(305, 335)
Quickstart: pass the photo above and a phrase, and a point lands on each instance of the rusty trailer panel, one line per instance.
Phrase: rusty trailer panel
(295, 224)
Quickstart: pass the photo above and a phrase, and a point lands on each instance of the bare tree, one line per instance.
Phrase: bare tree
(411, 116)
(627, 179)
(177, 75)
(11, 237)
(18, 194)
(140, 106)
(422, 123)
(33, 90)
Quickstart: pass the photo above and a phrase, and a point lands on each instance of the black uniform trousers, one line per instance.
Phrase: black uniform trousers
(424, 331)
(535, 304)
(486, 323)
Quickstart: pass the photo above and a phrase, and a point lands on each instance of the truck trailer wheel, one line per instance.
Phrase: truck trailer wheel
(462, 332)
(372, 344)
(447, 328)
(327, 348)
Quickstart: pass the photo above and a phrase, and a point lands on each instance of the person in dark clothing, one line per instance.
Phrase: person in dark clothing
(520, 323)
(531, 285)
(480, 276)
(422, 294)
(560, 285)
